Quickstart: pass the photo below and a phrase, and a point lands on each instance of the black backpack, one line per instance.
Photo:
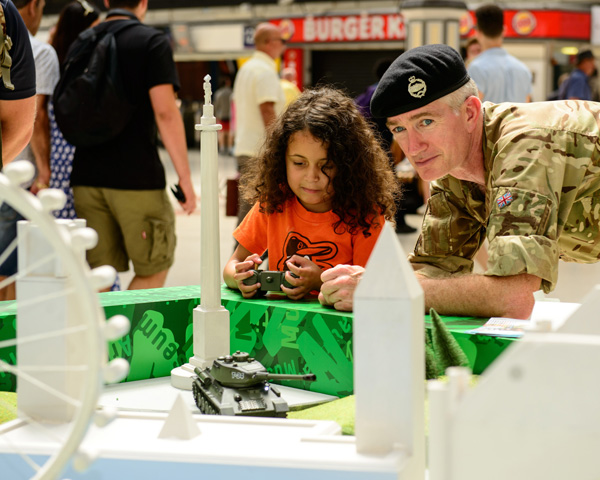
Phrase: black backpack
(90, 104)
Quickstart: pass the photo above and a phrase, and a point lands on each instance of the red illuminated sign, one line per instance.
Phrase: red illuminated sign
(369, 28)
(541, 24)
(348, 28)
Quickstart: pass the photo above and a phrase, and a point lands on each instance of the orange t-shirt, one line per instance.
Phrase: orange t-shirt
(296, 231)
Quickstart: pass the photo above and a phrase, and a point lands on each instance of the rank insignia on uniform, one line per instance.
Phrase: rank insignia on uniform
(504, 200)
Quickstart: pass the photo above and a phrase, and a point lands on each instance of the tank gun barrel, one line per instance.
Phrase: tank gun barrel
(310, 377)
(204, 376)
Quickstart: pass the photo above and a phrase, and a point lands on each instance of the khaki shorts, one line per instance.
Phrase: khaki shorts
(136, 225)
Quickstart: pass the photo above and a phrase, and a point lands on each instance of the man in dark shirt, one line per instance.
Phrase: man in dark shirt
(576, 86)
(17, 103)
(119, 186)
(17, 113)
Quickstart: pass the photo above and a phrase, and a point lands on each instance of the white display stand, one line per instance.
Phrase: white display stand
(269, 448)
(226, 448)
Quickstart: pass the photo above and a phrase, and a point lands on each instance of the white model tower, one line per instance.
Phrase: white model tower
(211, 319)
(389, 357)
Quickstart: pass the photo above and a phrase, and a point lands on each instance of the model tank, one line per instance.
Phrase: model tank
(239, 385)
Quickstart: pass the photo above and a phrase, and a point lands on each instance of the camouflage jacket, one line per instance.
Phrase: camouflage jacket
(541, 200)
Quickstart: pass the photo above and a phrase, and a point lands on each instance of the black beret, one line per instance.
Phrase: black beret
(418, 77)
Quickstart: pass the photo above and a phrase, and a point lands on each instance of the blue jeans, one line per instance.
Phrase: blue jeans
(8, 232)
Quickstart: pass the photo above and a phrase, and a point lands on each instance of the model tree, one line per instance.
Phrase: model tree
(441, 349)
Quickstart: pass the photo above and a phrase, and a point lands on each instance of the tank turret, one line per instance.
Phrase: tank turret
(238, 385)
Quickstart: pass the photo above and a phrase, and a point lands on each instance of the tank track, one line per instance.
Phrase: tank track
(203, 402)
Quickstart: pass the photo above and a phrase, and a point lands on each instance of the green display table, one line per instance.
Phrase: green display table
(286, 336)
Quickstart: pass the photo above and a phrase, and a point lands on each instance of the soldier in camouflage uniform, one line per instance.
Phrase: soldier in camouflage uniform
(524, 176)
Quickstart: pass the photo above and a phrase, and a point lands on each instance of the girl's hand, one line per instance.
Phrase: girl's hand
(309, 277)
(243, 270)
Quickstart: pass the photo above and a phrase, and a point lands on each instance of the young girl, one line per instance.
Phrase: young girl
(322, 188)
(74, 18)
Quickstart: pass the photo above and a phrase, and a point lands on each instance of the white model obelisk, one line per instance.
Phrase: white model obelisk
(211, 319)
(389, 357)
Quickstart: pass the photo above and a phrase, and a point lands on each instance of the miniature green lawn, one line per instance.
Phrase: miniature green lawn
(8, 406)
(343, 412)
(340, 411)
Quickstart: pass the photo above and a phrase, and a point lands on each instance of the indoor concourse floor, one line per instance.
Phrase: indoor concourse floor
(575, 280)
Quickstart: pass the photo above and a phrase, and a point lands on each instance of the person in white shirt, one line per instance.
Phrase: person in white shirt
(258, 97)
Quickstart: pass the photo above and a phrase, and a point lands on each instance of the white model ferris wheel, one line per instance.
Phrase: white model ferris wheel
(61, 334)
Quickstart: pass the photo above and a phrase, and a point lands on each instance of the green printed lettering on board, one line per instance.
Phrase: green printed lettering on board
(154, 348)
(282, 330)
(325, 358)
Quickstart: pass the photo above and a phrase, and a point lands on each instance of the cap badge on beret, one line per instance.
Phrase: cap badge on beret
(416, 87)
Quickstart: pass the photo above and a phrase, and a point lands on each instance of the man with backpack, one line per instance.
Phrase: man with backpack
(119, 181)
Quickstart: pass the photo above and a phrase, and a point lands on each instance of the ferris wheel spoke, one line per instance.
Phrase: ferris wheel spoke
(44, 298)
(43, 336)
(14, 369)
(55, 368)
(26, 271)
(16, 449)
(12, 246)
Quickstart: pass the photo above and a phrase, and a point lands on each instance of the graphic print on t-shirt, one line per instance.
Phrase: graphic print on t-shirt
(318, 252)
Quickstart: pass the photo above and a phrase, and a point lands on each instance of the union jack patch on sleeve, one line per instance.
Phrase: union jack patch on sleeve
(504, 200)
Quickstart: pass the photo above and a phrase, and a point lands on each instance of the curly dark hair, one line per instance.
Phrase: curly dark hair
(364, 183)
